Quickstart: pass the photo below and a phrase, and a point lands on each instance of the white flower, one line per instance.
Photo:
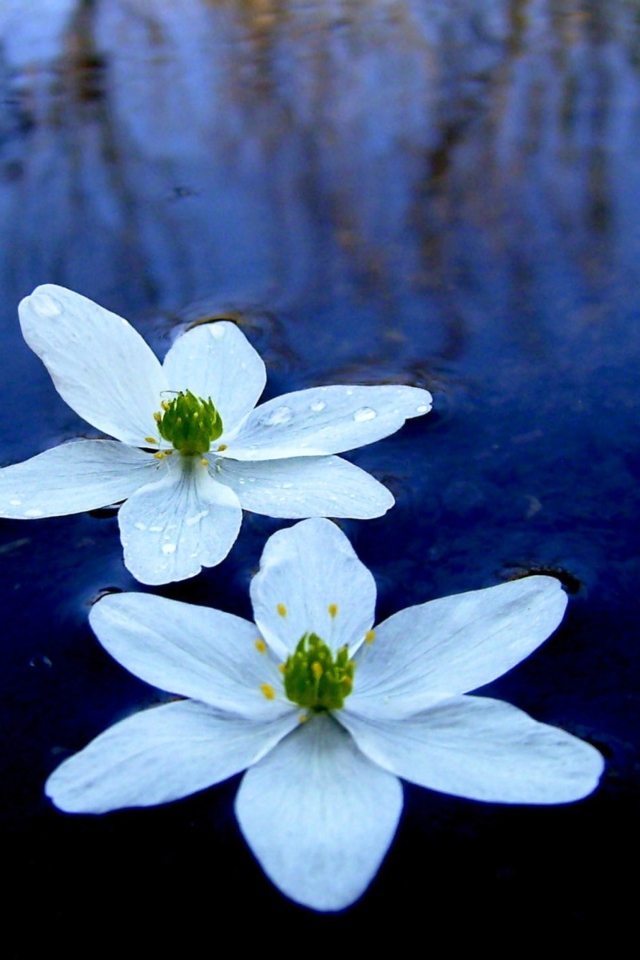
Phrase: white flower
(321, 799)
(185, 490)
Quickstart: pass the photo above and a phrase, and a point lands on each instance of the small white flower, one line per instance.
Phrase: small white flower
(186, 467)
(320, 802)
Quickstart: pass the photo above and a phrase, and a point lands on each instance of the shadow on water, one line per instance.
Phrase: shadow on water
(444, 194)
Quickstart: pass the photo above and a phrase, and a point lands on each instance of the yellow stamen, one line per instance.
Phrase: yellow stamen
(261, 646)
(303, 718)
(333, 609)
(282, 610)
(151, 440)
(268, 691)
(205, 463)
(159, 455)
(369, 636)
(222, 447)
(316, 669)
(281, 667)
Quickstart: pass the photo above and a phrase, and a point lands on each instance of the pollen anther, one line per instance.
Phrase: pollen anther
(333, 609)
(268, 691)
(260, 645)
(282, 610)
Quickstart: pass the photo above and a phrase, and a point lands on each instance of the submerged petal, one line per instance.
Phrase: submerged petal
(455, 644)
(319, 816)
(306, 487)
(185, 521)
(481, 749)
(82, 475)
(159, 755)
(311, 581)
(216, 360)
(193, 651)
(99, 364)
(326, 420)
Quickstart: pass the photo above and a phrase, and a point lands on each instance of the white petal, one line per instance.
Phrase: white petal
(160, 755)
(481, 749)
(193, 651)
(216, 360)
(77, 476)
(306, 487)
(318, 816)
(173, 528)
(311, 581)
(453, 645)
(99, 364)
(326, 420)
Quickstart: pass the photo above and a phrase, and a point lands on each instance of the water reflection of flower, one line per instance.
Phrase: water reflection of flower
(321, 800)
(184, 500)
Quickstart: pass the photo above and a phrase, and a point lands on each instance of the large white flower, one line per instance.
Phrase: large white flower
(192, 452)
(321, 800)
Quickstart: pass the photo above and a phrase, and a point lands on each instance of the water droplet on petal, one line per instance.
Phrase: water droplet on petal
(318, 406)
(191, 521)
(33, 512)
(45, 305)
(217, 331)
(168, 548)
(350, 392)
(287, 486)
(423, 408)
(277, 417)
(155, 529)
(364, 413)
(140, 526)
(15, 503)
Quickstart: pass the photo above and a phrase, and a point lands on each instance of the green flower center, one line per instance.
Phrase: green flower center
(314, 678)
(189, 423)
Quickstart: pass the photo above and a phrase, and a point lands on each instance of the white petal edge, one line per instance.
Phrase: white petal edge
(326, 420)
(318, 816)
(311, 581)
(196, 652)
(160, 755)
(306, 487)
(82, 475)
(453, 645)
(481, 749)
(99, 364)
(185, 521)
(215, 360)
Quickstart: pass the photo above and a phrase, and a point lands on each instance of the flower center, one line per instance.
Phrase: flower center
(189, 423)
(314, 678)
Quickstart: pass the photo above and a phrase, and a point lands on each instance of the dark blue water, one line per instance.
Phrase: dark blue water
(444, 194)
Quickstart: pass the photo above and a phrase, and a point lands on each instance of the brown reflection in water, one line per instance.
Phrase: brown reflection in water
(421, 163)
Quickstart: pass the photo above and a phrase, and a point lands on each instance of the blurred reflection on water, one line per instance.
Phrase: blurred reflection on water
(416, 160)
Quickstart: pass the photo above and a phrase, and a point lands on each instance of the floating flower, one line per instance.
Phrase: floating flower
(325, 712)
(192, 450)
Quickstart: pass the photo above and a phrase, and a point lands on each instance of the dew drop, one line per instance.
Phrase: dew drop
(279, 416)
(15, 503)
(217, 331)
(423, 408)
(318, 406)
(168, 548)
(364, 413)
(155, 529)
(33, 512)
(140, 526)
(191, 521)
(287, 486)
(45, 305)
